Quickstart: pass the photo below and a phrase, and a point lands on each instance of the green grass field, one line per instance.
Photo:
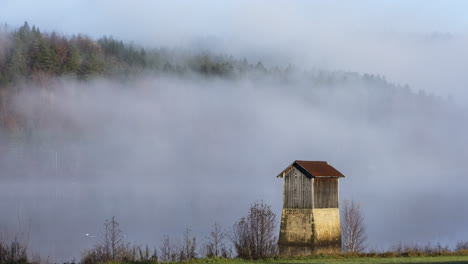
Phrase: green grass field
(348, 260)
(441, 259)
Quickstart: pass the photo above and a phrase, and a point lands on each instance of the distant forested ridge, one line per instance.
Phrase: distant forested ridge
(31, 58)
(29, 53)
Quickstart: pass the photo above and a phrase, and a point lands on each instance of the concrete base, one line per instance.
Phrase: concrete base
(310, 231)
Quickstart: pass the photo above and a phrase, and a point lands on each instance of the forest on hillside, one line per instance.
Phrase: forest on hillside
(32, 54)
(29, 57)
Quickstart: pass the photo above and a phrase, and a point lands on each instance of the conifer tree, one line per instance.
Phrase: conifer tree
(24, 31)
(73, 61)
(43, 58)
(92, 65)
(53, 65)
(17, 66)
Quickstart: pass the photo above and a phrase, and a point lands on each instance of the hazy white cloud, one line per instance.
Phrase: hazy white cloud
(163, 154)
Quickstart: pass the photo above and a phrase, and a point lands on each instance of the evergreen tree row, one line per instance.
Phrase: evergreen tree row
(29, 55)
(32, 53)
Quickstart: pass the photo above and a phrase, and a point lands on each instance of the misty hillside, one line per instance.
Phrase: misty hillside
(29, 53)
(167, 138)
(30, 57)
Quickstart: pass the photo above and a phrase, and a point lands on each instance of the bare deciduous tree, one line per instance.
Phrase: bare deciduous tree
(167, 249)
(353, 227)
(111, 247)
(145, 255)
(240, 238)
(112, 238)
(215, 245)
(188, 247)
(254, 236)
(13, 252)
(461, 245)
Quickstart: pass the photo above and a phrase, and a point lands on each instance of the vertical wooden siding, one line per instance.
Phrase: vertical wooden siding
(325, 193)
(297, 190)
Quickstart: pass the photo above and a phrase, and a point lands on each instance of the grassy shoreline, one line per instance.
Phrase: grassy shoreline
(345, 260)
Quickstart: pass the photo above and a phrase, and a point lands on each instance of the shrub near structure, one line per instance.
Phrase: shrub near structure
(13, 252)
(254, 236)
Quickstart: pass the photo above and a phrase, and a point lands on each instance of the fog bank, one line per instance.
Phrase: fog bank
(162, 154)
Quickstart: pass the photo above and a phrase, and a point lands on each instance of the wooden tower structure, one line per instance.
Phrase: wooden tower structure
(310, 220)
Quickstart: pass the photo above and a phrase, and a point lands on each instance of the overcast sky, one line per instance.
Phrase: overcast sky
(420, 43)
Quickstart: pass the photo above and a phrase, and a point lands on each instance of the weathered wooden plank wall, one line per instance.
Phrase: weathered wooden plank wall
(297, 190)
(325, 193)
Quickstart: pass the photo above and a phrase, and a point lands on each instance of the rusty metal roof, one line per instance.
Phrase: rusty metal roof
(313, 169)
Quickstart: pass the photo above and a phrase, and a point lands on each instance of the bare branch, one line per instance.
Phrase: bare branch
(254, 236)
(353, 228)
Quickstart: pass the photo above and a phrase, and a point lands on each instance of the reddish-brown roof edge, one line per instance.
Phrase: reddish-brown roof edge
(314, 168)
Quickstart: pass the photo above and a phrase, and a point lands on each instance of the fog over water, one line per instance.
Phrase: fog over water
(162, 153)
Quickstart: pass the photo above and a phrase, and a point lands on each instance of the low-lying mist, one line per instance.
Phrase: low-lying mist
(164, 153)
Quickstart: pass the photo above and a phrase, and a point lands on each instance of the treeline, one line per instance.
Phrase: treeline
(30, 58)
(253, 237)
(27, 53)
(31, 54)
